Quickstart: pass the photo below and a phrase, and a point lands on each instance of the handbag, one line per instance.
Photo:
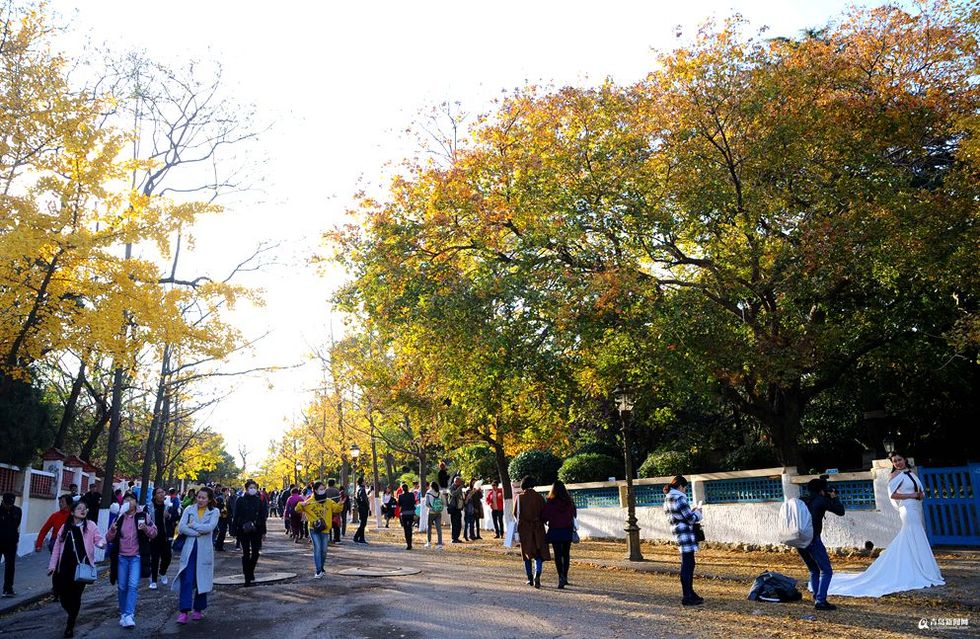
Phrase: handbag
(575, 537)
(178, 544)
(84, 573)
(248, 527)
(319, 525)
(698, 532)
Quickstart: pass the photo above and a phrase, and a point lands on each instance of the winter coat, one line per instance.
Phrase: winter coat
(91, 537)
(528, 510)
(250, 508)
(198, 533)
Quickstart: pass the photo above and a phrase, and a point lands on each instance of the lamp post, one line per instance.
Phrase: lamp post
(889, 444)
(624, 404)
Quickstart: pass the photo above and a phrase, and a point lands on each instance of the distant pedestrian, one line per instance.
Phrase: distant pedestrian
(495, 499)
(130, 557)
(443, 477)
(819, 501)
(54, 523)
(221, 503)
(455, 505)
(528, 509)
(434, 505)
(319, 510)
(406, 504)
(333, 493)
(559, 513)
(93, 499)
(387, 505)
(249, 524)
(681, 519)
(161, 553)
(195, 579)
(10, 516)
(362, 504)
(294, 517)
(75, 543)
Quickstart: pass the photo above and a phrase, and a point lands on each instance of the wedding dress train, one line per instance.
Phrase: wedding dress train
(907, 563)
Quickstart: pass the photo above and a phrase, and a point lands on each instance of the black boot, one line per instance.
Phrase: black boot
(537, 580)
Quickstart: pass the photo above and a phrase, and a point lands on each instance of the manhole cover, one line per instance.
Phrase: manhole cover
(374, 571)
(261, 578)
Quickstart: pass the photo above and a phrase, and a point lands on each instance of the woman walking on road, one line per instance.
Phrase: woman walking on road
(160, 550)
(559, 513)
(434, 506)
(528, 509)
(319, 510)
(130, 558)
(195, 578)
(681, 518)
(249, 524)
(74, 543)
(406, 504)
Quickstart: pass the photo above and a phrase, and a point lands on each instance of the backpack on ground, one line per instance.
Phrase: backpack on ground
(774, 587)
(795, 525)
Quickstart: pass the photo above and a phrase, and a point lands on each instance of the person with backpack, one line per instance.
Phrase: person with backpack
(319, 510)
(363, 506)
(132, 531)
(819, 501)
(681, 518)
(434, 505)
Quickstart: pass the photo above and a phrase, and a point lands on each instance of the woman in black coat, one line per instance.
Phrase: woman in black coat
(249, 523)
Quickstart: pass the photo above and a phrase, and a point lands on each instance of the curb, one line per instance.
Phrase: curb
(24, 603)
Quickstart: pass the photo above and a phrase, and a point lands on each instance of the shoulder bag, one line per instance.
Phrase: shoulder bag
(84, 573)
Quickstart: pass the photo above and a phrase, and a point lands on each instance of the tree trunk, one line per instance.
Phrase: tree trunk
(423, 457)
(390, 468)
(151, 438)
(94, 433)
(501, 459)
(783, 423)
(115, 421)
(68, 416)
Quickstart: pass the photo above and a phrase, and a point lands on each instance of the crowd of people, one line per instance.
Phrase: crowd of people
(141, 540)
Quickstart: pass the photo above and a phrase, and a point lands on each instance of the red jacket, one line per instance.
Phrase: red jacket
(495, 498)
(54, 524)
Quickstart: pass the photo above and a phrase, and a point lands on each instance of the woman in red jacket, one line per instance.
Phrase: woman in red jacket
(75, 543)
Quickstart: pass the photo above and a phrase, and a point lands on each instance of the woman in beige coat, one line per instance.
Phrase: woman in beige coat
(530, 527)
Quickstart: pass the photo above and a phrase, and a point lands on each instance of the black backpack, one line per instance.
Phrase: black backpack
(775, 587)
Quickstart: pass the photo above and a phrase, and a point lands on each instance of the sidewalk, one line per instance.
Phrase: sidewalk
(31, 581)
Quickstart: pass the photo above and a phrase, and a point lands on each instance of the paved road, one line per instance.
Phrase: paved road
(457, 595)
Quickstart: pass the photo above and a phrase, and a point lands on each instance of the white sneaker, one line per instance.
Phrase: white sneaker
(439, 546)
(153, 585)
(163, 579)
(428, 545)
(318, 575)
(130, 622)
(122, 620)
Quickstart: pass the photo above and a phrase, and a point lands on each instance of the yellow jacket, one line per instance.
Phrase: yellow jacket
(314, 509)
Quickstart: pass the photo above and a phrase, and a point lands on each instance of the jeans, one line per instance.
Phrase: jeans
(127, 583)
(816, 560)
(189, 597)
(435, 521)
(455, 523)
(251, 545)
(469, 526)
(362, 516)
(687, 575)
(498, 522)
(9, 560)
(538, 565)
(320, 542)
(408, 525)
(160, 556)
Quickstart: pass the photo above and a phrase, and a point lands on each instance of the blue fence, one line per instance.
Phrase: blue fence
(854, 494)
(749, 489)
(653, 494)
(952, 504)
(595, 497)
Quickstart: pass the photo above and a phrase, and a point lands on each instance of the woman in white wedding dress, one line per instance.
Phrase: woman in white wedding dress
(907, 563)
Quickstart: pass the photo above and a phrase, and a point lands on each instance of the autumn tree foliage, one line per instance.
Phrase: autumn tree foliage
(748, 225)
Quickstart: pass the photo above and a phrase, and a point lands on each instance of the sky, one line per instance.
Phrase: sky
(334, 86)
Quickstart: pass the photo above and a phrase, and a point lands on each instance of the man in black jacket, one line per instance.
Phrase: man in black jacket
(249, 523)
(362, 502)
(10, 516)
(819, 501)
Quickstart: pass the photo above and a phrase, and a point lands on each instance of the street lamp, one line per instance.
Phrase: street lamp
(624, 404)
(889, 444)
(355, 452)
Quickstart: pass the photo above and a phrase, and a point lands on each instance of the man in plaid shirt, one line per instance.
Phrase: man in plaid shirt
(682, 518)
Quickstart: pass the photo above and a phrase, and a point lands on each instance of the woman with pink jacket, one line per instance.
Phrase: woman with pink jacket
(75, 543)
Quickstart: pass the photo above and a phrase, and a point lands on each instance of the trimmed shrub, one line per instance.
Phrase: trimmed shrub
(408, 478)
(588, 467)
(540, 464)
(601, 448)
(666, 463)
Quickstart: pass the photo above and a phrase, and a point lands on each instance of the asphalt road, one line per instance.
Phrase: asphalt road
(463, 593)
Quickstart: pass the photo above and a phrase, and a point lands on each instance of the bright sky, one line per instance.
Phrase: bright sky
(339, 82)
